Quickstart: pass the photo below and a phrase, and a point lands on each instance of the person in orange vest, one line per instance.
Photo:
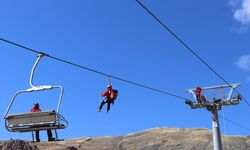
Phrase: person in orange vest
(110, 96)
(37, 109)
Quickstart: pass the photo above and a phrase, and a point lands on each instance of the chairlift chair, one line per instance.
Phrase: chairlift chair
(36, 121)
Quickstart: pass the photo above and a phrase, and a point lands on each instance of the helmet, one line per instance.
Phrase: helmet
(36, 104)
(108, 86)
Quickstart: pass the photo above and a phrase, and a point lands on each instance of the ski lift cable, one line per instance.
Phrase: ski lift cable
(92, 70)
(234, 123)
(188, 47)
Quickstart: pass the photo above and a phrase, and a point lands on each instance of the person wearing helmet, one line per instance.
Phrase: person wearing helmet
(199, 96)
(37, 109)
(107, 94)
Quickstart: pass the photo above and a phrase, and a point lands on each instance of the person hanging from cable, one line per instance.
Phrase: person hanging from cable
(110, 96)
(49, 133)
(199, 95)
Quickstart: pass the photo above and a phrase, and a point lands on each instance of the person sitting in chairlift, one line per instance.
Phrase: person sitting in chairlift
(49, 133)
(111, 96)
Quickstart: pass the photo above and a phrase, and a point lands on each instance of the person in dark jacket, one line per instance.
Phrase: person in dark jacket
(110, 96)
(37, 109)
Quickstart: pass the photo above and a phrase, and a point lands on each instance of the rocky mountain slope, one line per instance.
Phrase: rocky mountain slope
(152, 139)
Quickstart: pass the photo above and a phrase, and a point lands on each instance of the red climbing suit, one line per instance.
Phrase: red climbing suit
(35, 109)
(107, 93)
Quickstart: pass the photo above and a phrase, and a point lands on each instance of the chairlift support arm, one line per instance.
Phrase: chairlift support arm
(39, 57)
(11, 102)
(44, 87)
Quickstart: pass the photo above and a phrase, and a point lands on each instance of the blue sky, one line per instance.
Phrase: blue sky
(120, 38)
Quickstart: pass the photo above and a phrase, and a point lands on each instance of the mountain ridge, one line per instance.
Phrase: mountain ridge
(160, 138)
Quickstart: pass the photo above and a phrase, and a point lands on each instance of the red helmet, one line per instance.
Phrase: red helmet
(197, 90)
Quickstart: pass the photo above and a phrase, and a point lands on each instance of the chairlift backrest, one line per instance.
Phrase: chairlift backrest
(32, 118)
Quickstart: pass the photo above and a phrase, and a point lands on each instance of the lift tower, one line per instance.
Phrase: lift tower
(220, 96)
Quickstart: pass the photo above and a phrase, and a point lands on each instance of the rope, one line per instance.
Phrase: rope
(234, 123)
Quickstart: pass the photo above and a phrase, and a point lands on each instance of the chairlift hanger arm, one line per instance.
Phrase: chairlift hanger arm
(44, 87)
(39, 57)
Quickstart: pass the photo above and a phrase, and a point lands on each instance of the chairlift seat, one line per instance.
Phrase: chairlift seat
(32, 121)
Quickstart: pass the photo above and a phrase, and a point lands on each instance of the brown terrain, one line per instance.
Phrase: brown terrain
(152, 139)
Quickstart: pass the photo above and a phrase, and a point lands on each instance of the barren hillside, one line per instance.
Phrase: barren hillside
(153, 139)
